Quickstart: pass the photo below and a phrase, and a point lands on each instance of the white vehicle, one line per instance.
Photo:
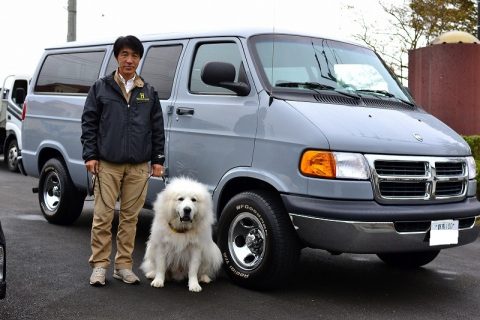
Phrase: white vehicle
(13, 94)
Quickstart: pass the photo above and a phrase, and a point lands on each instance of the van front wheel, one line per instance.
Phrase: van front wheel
(259, 246)
(60, 201)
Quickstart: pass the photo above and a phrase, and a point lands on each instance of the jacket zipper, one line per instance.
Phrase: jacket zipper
(132, 93)
(128, 103)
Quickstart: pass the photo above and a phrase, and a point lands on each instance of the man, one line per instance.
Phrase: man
(122, 129)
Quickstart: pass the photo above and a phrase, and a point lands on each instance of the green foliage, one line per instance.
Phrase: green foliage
(434, 17)
(474, 143)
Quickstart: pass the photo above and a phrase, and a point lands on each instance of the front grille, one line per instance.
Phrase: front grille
(465, 223)
(424, 226)
(403, 189)
(406, 179)
(386, 104)
(400, 168)
(445, 189)
(336, 99)
(412, 226)
(449, 168)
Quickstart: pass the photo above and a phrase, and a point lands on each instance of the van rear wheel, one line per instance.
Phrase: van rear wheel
(258, 243)
(60, 201)
(11, 157)
(408, 260)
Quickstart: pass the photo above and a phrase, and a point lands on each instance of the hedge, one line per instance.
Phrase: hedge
(474, 143)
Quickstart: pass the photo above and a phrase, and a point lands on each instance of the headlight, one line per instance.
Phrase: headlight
(472, 168)
(340, 165)
(2, 262)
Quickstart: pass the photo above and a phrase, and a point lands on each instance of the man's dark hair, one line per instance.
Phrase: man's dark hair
(130, 42)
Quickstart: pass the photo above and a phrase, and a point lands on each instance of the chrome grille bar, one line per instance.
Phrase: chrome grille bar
(412, 179)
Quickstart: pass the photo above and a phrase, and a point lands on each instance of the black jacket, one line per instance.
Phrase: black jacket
(118, 131)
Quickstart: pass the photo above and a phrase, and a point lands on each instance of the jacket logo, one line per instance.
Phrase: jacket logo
(141, 97)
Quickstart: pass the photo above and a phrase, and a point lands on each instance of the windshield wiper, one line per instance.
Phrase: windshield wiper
(386, 94)
(382, 92)
(308, 85)
(315, 86)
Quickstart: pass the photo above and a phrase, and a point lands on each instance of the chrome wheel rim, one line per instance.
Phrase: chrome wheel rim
(12, 156)
(246, 241)
(52, 191)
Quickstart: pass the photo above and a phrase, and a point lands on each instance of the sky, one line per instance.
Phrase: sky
(29, 26)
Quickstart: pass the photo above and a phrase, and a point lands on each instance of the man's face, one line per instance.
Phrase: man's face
(128, 61)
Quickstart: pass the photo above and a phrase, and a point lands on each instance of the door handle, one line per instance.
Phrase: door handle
(185, 111)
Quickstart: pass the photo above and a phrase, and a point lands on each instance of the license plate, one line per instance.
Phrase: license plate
(443, 232)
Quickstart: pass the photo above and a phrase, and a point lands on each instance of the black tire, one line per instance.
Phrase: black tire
(408, 260)
(60, 201)
(11, 156)
(259, 246)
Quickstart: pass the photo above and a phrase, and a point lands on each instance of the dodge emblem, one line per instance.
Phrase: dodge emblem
(418, 137)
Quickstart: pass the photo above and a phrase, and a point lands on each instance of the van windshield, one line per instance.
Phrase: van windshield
(306, 63)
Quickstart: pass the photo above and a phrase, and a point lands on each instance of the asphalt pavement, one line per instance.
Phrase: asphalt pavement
(47, 278)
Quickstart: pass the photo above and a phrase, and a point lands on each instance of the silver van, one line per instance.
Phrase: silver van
(302, 141)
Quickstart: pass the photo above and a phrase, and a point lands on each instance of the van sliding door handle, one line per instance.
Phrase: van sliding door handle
(185, 111)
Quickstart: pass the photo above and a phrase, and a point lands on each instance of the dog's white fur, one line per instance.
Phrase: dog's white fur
(182, 248)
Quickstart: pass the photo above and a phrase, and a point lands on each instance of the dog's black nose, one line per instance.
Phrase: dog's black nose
(186, 214)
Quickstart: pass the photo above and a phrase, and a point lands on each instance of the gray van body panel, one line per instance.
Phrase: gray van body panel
(219, 135)
(54, 123)
(158, 184)
(259, 138)
(383, 131)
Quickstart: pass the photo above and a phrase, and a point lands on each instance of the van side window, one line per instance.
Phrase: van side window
(112, 65)
(69, 72)
(220, 52)
(159, 68)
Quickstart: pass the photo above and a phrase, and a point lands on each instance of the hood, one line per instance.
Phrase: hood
(383, 131)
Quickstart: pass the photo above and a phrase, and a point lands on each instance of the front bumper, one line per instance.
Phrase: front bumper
(368, 227)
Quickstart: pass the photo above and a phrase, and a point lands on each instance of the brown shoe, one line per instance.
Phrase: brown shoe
(126, 275)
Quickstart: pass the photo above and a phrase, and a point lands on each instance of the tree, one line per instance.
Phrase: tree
(434, 17)
(415, 23)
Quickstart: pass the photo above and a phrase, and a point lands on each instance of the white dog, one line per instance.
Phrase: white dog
(180, 242)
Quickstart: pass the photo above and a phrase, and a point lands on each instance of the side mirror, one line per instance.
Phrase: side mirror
(20, 96)
(222, 74)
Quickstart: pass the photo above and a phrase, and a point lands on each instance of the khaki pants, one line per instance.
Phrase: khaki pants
(113, 180)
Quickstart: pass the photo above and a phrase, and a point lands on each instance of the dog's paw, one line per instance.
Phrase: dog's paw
(150, 275)
(205, 279)
(157, 283)
(194, 287)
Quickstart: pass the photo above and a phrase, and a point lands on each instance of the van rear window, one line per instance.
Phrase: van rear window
(159, 68)
(72, 73)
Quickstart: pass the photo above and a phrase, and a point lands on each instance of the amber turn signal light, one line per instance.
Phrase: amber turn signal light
(318, 163)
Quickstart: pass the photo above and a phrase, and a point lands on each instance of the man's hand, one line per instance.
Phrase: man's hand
(157, 170)
(92, 166)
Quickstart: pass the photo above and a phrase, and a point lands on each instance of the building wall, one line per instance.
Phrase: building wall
(445, 80)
